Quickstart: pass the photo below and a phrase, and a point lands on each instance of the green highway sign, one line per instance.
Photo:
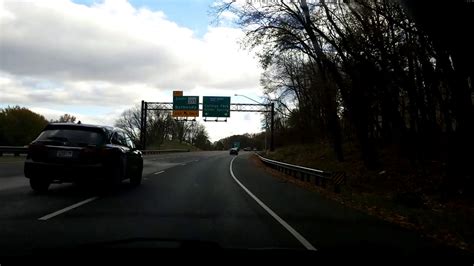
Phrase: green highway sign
(237, 144)
(187, 106)
(216, 106)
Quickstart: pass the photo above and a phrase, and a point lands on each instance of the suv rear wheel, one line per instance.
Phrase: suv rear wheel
(136, 178)
(117, 175)
(39, 184)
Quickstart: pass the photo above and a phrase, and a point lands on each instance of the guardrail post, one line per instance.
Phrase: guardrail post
(338, 178)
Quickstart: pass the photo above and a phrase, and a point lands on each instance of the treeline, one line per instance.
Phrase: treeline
(19, 125)
(365, 71)
(246, 140)
(161, 127)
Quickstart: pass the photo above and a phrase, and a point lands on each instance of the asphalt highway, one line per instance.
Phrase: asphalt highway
(210, 198)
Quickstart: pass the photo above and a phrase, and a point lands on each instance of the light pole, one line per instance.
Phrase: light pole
(266, 120)
(248, 98)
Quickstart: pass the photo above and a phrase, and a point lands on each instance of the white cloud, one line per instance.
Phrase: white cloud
(19, 90)
(54, 114)
(55, 54)
(229, 16)
(117, 43)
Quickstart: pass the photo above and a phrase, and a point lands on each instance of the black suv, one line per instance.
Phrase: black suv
(67, 152)
(234, 151)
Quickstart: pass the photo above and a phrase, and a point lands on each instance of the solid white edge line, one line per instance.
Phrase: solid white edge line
(160, 172)
(56, 213)
(288, 227)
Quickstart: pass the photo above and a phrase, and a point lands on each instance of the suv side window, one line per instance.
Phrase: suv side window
(109, 135)
(129, 142)
(116, 139)
(122, 139)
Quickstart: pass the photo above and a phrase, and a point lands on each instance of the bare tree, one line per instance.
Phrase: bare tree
(367, 66)
(129, 121)
(65, 118)
(161, 127)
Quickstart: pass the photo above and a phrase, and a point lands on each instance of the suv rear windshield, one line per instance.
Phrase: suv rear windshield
(72, 137)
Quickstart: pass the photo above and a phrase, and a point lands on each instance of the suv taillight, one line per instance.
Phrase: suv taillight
(36, 150)
(106, 152)
(91, 154)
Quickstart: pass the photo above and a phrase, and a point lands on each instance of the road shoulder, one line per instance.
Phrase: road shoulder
(327, 223)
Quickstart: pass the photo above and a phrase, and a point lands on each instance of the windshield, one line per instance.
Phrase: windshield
(72, 137)
(319, 126)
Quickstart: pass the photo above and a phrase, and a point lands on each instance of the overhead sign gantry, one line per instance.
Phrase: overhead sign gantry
(212, 107)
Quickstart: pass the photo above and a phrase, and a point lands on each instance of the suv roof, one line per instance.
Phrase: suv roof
(108, 130)
(73, 125)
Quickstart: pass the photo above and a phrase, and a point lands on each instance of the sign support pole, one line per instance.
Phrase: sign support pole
(272, 128)
(142, 111)
(144, 125)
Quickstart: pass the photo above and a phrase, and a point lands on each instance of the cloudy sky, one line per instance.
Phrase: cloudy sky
(94, 58)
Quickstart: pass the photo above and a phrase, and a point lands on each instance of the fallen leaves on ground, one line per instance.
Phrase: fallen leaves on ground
(442, 236)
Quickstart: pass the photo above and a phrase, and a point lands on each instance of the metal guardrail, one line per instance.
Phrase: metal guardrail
(17, 150)
(151, 152)
(314, 176)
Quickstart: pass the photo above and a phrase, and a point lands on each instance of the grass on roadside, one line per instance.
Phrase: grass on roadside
(377, 192)
(169, 145)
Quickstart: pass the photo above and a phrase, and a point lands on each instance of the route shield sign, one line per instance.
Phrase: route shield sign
(185, 106)
(216, 106)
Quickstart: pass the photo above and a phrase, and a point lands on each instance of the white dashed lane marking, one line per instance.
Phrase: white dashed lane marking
(56, 213)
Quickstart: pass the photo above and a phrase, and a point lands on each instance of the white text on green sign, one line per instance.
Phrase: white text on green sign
(214, 106)
(186, 103)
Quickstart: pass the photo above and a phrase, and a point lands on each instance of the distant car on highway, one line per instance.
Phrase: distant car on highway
(247, 149)
(234, 151)
(67, 152)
